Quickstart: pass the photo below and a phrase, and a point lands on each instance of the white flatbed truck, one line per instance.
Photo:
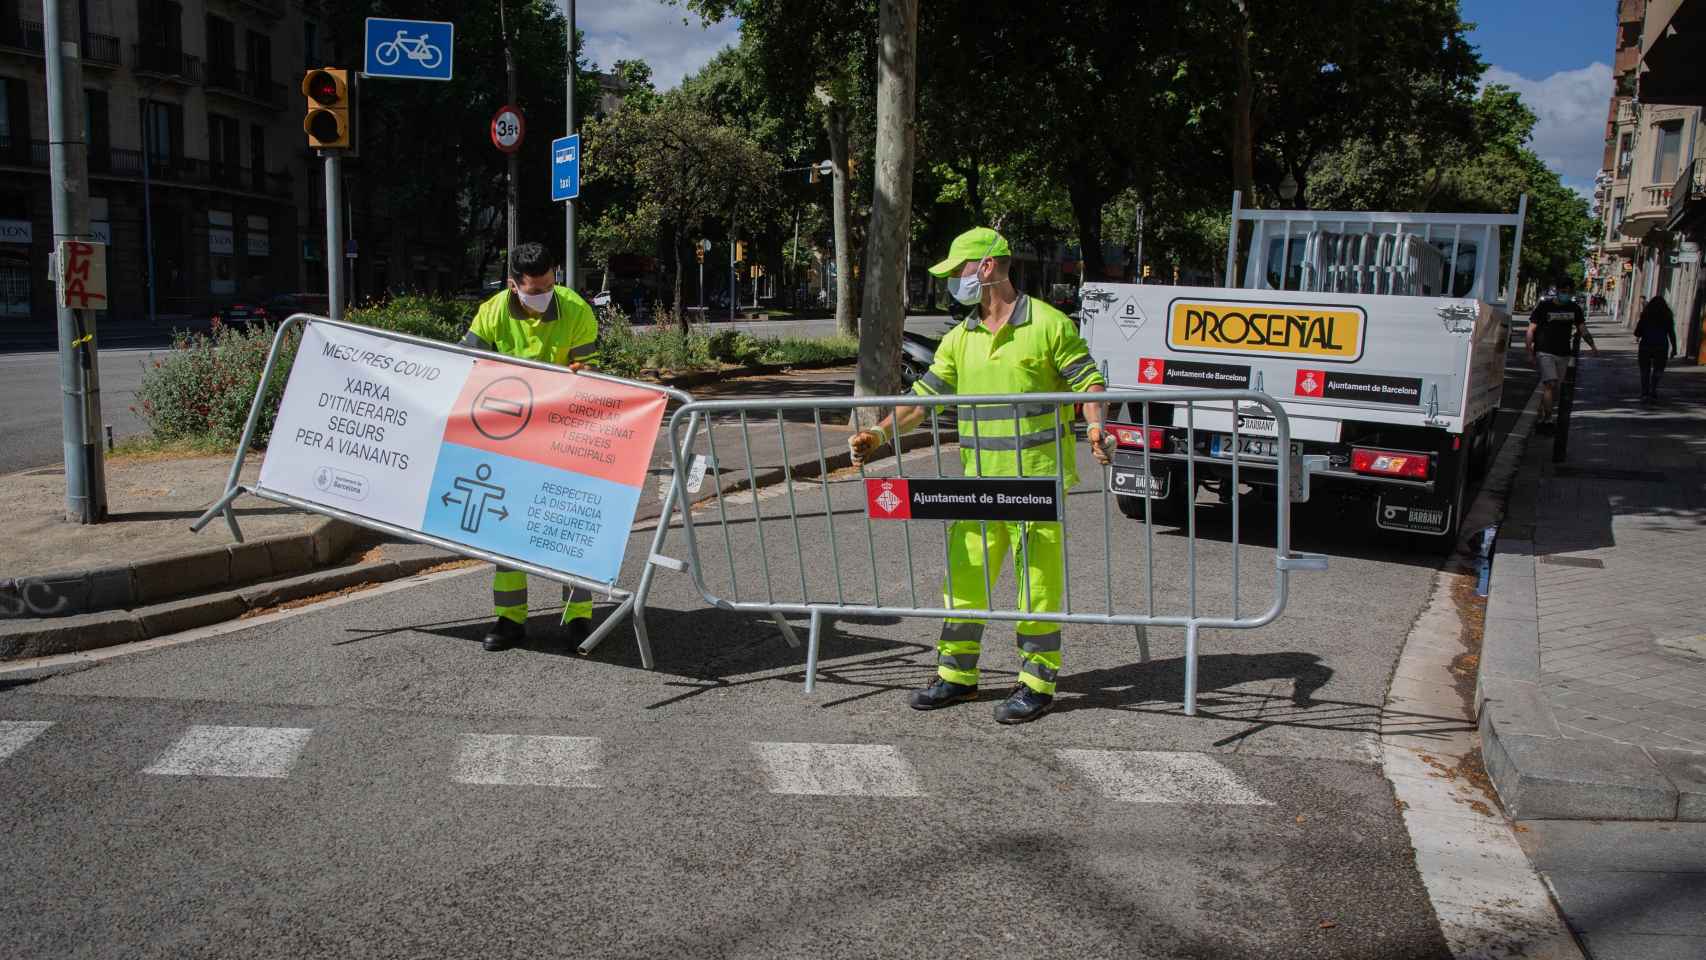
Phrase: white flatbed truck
(1382, 335)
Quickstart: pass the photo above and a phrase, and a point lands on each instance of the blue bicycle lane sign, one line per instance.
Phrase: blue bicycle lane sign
(409, 49)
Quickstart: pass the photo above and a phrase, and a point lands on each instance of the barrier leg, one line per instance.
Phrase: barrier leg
(231, 521)
(811, 651)
(1191, 670)
(222, 506)
(629, 604)
(787, 628)
(1142, 644)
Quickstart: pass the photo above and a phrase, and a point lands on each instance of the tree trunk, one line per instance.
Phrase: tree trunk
(1243, 105)
(1087, 211)
(846, 315)
(890, 229)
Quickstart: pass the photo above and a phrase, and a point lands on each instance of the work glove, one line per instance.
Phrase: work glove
(1101, 442)
(864, 443)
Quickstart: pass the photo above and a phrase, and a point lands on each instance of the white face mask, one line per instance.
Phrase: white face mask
(537, 302)
(967, 290)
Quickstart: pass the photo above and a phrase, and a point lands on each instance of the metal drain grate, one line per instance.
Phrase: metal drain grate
(1574, 562)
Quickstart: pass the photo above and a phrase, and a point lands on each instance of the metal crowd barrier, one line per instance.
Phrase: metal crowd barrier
(628, 601)
(842, 565)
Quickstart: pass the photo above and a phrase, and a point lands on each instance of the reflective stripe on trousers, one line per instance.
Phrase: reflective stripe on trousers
(509, 597)
(963, 589)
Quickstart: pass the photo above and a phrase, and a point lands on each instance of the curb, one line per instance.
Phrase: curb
(90, 631)
(1539, 774)
(158, 579)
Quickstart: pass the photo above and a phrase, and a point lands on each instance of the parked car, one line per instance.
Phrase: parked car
(281, 306)
(241, 315)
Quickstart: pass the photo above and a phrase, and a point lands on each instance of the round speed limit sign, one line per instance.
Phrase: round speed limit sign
(508, 128)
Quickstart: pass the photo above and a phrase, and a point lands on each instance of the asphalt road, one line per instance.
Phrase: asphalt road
(362, 779)
(30, 434)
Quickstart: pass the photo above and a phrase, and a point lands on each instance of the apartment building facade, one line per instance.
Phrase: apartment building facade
(1649, 244)
(200, 179)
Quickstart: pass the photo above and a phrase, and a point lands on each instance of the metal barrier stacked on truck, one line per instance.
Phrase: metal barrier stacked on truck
(825, 549)
(515, 462)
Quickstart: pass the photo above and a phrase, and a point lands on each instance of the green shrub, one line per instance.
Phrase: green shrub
(733, 346)
(795, 350)
(435, 318)
(202, 388)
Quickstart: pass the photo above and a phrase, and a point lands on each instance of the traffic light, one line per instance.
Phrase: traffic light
(330, 121)
(740, 251)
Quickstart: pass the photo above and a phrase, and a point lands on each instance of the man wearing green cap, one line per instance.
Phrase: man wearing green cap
(1011, 344)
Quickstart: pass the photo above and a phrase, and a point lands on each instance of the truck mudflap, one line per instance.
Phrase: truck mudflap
(1406, 513)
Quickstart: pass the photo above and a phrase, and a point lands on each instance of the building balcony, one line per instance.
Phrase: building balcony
(1676, 44)
(166, 63)
(1688, 196)
(1630, 11)
(101, 50)
(25, 35)
(245, 85)
(23, 152)
(1649, 208)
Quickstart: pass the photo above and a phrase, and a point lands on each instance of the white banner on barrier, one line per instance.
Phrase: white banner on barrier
(538, 465)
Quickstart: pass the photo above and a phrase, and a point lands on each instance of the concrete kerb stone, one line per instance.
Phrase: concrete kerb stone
(1538, 773)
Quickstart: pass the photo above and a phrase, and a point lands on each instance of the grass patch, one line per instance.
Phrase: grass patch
(141, 449)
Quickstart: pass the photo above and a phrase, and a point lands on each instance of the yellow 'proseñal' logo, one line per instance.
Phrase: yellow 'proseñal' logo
(1283, 329)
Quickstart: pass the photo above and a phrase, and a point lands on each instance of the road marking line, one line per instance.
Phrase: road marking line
(538, 761)
(1161, 777)
(213, 751)
(14, 734)
(837, 770)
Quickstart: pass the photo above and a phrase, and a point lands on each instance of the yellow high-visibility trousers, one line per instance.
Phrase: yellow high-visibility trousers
(509, 597)
(973, 565)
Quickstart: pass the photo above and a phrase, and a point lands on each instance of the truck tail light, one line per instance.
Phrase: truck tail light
(1132, 437)
(1391, 463)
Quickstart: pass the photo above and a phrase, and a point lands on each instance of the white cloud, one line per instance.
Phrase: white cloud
(1571, 106)
(667, 36)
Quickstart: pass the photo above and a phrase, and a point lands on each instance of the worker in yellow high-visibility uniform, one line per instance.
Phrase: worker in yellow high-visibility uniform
(1012, 343)
(534, 319)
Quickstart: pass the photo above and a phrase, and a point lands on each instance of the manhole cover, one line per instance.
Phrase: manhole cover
(1574, 562)
(1609, 473)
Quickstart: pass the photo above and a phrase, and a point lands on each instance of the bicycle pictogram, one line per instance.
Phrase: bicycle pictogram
(418, 49)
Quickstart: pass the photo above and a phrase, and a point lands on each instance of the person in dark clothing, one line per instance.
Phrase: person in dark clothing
(1554, 319)
(1655, 333)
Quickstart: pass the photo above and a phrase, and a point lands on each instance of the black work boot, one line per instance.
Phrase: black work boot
(577, 630)
(1023, 706)
(504, 634)
(942, 693)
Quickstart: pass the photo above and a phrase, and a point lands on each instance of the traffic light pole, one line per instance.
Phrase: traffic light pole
(569, 205)
(334, 233)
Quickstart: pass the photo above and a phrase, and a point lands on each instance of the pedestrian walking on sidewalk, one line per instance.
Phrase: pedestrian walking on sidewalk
(1550, 327)
(534, 319)
(1011, 343)
(1655, 334)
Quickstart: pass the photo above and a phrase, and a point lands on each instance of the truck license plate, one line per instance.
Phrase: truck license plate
(1133, 482)
(1220, 445)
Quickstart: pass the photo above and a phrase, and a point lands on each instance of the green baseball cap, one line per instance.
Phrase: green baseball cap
(975, 244)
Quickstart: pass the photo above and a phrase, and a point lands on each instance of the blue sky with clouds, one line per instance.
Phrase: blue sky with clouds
(1557, 53)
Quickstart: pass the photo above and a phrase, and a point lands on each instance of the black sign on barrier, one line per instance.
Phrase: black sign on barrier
(962, 498)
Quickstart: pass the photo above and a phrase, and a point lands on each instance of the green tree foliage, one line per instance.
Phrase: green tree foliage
(680, 168)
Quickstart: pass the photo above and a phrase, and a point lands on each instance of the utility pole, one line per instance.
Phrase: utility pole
(569, 258)
(1137, 268)
(79, 374)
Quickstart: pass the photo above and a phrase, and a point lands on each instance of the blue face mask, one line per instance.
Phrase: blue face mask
(967, 290)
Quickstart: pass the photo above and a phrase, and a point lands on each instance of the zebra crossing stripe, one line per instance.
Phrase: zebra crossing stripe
(214, 751)
(1160, 777)
(14, 734)
(837, 770)
(538, 761)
